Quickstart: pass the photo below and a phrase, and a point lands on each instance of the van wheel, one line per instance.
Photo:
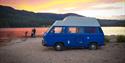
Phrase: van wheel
(93, 46)
(59, 47)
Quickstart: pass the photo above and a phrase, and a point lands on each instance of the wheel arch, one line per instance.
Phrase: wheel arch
(59, 42)
(93, 42)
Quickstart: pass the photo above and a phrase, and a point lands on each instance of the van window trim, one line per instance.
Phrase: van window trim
(67, 29)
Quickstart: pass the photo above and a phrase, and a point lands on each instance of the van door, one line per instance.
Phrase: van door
(74, 38)
(90, 35)
(56, 34)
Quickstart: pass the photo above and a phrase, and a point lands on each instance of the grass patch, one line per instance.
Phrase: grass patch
(121, 38)
(107, 40)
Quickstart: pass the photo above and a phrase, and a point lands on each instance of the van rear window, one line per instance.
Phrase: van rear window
(90, 30)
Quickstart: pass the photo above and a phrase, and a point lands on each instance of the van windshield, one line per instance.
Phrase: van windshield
(49, 29)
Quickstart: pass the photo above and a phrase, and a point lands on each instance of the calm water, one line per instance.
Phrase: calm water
(10, 32)
(114, 30)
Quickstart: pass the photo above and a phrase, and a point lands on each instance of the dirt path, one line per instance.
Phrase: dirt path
(31, 51)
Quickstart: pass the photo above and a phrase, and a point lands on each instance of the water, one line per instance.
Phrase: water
(114, 30)
(18, 32)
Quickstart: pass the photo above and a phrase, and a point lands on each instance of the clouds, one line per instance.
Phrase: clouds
(108, 9)
(109, 1)
(115, 5)
(91, 8)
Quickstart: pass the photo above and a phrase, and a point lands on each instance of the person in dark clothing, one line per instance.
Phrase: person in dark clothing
(26, 33)
(33, 32)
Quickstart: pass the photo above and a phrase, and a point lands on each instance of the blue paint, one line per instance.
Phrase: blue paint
(79, 39)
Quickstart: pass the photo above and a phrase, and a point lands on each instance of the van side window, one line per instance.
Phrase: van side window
(72, 29)
(57, 29)
(90, 30)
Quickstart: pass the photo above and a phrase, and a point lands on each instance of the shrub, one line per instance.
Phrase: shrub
(106, 39)
(120, 38)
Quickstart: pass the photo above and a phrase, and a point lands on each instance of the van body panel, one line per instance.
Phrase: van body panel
(74, 39)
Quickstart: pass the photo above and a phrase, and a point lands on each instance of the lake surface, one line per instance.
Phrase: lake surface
(19, 32)
(114, 30)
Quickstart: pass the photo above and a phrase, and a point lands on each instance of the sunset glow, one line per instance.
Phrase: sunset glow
(91, 8)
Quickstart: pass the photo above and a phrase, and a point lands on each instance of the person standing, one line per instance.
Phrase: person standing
(26, 33)
(33, 32)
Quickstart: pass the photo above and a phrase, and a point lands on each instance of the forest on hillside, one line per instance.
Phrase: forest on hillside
(10, 17)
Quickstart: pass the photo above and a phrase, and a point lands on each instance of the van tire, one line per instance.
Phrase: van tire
(93, 46)
(59, 47)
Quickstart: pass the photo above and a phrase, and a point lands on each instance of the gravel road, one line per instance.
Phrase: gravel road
(31, 51)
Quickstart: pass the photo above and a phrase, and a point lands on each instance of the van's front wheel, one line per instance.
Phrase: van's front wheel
(59, 47)
(93, 46)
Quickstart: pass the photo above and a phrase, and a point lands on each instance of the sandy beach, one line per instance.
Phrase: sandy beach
(30, 50)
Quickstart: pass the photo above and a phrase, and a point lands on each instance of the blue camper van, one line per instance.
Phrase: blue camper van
(74, 31)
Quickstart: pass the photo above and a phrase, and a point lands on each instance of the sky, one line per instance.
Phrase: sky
(103, 9)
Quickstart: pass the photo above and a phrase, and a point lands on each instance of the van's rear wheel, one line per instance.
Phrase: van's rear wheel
(93, 46)
(59, 47)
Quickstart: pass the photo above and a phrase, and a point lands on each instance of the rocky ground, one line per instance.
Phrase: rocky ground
(30, 50)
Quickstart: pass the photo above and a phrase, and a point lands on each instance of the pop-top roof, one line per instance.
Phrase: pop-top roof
(77, 21)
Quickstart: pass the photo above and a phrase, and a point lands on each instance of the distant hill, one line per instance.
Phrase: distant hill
(105, 22)
(10, 17)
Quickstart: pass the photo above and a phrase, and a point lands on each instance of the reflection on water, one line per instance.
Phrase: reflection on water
(19, 32)
(114, 30)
